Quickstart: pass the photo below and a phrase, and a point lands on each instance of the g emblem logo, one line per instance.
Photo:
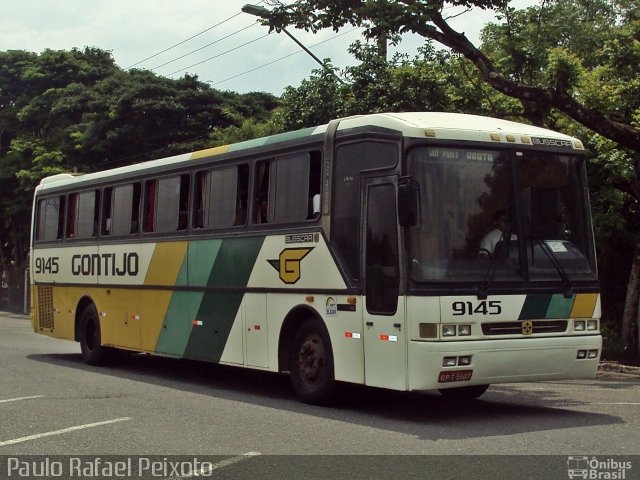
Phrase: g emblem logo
(527, 328)
(288, 264)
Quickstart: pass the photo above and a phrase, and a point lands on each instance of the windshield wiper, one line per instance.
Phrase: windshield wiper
(501, 251)
(567, 291)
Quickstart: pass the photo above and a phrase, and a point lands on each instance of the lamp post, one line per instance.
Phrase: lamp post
(262, 12)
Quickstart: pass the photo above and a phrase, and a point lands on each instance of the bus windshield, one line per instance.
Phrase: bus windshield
(482, 210)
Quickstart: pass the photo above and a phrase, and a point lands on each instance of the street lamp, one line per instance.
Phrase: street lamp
(262, 12)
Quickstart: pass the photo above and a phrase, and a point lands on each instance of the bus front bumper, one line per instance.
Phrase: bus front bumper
(501, 361)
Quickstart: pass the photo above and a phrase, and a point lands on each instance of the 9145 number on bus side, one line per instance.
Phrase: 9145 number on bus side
(484, 307)
(47, 265)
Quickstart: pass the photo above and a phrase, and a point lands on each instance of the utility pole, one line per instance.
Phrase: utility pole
(262, 12)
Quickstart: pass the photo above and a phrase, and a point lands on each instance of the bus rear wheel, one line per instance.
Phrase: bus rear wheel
(93, 353)
(312, 374)
(461, 394)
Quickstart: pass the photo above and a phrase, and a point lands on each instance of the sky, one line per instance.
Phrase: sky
(237, 54)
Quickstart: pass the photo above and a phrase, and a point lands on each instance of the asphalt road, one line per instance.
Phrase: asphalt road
(244, 421)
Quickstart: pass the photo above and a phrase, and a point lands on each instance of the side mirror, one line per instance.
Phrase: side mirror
(408, 196)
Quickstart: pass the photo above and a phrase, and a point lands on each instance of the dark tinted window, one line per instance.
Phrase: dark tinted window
(350, 161)
(83, 214)
(121, 210)
(50, 218)
(221, 197)
(382, 274)
(285, 187)
(166, 204)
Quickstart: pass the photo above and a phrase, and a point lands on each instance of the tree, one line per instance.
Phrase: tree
(559, 73)
(77, 110)
(431, 81)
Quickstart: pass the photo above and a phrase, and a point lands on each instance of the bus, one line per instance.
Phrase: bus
(347, 252)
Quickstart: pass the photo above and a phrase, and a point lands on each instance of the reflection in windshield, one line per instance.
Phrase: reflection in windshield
(474, 221)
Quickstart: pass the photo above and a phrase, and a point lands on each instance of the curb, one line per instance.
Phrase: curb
(618, 368)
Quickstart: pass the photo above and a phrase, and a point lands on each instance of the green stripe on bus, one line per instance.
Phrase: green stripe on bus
(535, 306)
(202, 255)
(232, 269)
(281, 137)
(183, 307)
(560, 307)
(176, 330)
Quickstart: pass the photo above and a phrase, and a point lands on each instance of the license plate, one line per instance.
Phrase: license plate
(455, 376)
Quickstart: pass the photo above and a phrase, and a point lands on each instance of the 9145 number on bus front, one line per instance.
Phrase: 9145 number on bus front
(484, 307)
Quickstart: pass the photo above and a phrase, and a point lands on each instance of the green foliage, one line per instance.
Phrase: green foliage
(432, 81)
(76, 110)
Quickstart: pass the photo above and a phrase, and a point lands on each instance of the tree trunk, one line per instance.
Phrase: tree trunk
(630, 329)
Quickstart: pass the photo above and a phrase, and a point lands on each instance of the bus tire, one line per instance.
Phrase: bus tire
(312, 374)
(461, 394)
(93, 353)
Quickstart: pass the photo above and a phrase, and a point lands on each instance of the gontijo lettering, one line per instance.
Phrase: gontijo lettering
(105, 264)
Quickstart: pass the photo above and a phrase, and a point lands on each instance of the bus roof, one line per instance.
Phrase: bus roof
(436, 125)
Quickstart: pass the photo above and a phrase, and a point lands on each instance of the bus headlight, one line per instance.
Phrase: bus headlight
(578, 325)
(592, 324)
(464, 360)
(449, 361)
(448, 330)
(464, 330)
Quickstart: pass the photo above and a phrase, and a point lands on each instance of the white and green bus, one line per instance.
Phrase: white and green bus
(351, 252)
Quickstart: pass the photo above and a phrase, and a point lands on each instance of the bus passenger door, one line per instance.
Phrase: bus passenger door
(384, 325)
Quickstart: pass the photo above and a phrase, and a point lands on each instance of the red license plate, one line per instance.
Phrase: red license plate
(455, 376)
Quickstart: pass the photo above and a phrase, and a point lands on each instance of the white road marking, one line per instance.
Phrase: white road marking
(205, 472)
(7, 400)
(60, 432)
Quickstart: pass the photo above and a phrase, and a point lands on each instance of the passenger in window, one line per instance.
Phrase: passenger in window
(501, 232)
(315, 205)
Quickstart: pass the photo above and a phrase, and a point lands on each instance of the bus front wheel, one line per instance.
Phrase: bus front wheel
(311, 359)
(93, 353)
(464, 393)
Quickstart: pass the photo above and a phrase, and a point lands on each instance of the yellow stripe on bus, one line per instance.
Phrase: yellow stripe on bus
(584, 305)
(165, 263)
(163, 271)
(209, 152)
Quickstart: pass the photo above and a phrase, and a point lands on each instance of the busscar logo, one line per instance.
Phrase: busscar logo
(288, 264)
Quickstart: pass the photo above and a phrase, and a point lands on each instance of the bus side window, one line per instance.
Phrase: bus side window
(107, 200)
(72, 213)
(150, 204)
(242, 194)
(50, 221)
(183, 202)
(125, 209)
(283, 187)
(167, 204)
(261, 211)
(314, 186)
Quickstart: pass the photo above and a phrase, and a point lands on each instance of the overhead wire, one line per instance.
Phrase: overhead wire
(253, 24)
(190, 38)
(218, 55)
(282, 58)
